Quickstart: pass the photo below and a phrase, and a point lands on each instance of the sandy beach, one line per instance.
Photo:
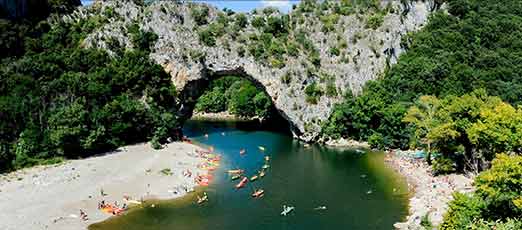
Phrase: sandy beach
(50, 197)
(430, 194)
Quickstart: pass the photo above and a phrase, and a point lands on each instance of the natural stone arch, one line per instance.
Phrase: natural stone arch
(193, 89)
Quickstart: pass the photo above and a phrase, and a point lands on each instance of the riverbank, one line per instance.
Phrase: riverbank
(430, 194)
(346, 143)
(50, 197)
(221, 116)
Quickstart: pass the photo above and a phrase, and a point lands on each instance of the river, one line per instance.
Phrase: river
(359, 192)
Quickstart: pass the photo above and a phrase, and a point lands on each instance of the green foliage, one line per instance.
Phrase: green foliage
(61, 100)
(443, 165)
(496, 201)
(426, 223)
(207, 37)
(376, 141)
(200, 14)
(462, 211)
(313, 93)
(334, 51)
(241, 20)
(331, 89)
(143, 40)
(501, 187)
(236, 95)
(375, 21)
(258, 22)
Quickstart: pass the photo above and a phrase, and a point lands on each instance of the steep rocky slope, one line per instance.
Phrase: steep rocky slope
(324, 55)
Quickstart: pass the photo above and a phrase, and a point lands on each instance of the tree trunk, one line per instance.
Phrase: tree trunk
(428, 157)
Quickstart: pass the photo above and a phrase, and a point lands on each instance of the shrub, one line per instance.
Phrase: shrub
(331, 89)
(375, 21)
(334, 51)
(258, 22)
(462, 211)
(313, 93)
(206, 36)
(376, 140)
(241, 20)
(200, 15)
(426, 223)
(501, 187)
(443, 165)
(315, 58)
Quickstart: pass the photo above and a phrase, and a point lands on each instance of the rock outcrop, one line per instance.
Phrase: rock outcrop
(367, 53)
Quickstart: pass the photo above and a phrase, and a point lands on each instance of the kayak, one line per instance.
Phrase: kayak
(286, 210)
(235, 177)
(262, 174)
(253, 178)
(258, 193)
(235, 171)
(261, 148)
(202, 199)
(242, 183)
(266, 166)
(267, 158)
(242, 151)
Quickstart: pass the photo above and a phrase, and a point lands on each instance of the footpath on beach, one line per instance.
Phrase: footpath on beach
(429, 194)
(51, 197)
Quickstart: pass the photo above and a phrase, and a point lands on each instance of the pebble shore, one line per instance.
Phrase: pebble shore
(429, 194)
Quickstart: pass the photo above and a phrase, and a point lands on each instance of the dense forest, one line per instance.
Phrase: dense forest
(59, 99)
(236, 95)
(456, 93)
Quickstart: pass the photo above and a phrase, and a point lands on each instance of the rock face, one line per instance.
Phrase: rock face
(368, 52)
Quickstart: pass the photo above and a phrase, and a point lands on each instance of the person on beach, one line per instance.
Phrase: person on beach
(83, 215)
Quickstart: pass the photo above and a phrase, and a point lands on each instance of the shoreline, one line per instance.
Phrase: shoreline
(221, 116)
(429, 194)
(51, 196)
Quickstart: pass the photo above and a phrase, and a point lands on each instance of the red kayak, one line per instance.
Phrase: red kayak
(242, 183)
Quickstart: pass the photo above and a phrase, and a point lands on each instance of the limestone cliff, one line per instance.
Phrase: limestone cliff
(365, 52)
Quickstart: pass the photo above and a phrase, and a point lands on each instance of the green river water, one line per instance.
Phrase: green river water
(357, 189)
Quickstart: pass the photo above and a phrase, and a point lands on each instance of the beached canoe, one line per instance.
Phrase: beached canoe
(253, 178)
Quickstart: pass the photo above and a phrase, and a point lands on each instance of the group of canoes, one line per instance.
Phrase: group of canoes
(236, 174)
(210, 164)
